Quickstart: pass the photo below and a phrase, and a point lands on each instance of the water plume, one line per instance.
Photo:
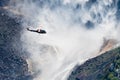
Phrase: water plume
(76, 30)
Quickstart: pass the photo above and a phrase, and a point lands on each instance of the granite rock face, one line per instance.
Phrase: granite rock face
(13, 65)
(4, 2)
(103, 67)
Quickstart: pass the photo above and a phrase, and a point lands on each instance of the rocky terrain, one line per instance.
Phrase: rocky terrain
(103, 67)
(13, 65)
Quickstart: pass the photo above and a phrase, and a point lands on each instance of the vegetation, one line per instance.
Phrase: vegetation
(103, 67)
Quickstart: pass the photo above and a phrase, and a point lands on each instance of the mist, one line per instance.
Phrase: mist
(76, 30)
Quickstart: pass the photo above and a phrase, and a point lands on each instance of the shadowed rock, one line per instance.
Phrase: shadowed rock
(103, 67)
(13, 65)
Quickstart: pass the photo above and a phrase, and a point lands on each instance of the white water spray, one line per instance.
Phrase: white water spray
(68, 42)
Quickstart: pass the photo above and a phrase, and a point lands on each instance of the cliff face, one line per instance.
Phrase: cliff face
(12, 64)
(107, 45)
(103, 67)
